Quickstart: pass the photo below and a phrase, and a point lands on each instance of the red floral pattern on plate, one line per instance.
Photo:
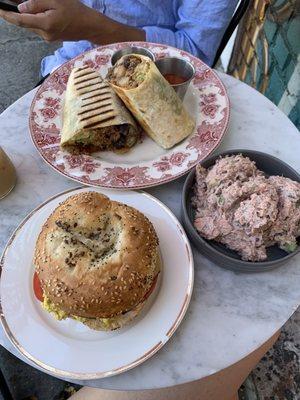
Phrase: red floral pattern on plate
(51, 102)
(203, 75)
(204, 140)
(124, 177)
(48, 113)
(208, 104)
(178, 158)
(58, 80)
(210, 109)
(45, 124)
(85, 163)
(209, 98)
(49, 134)
(163, 164)
(102, 59)
(90, 63)
(166, 163)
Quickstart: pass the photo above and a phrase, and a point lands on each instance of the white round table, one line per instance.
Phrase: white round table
(230, 315)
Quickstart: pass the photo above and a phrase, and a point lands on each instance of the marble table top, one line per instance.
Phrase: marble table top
(230, 314)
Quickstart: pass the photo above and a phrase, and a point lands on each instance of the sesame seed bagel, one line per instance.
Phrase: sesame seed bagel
(96, 258)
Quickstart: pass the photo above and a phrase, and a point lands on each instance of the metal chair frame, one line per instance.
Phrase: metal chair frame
(237, 16)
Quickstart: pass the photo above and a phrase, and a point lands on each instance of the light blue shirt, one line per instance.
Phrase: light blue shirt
(196, 26)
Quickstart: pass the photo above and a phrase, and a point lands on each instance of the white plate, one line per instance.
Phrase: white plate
(68, 348)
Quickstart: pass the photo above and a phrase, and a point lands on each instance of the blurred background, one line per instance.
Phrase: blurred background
(264, 52)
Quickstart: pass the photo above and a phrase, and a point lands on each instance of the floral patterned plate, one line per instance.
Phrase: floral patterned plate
(146, 164)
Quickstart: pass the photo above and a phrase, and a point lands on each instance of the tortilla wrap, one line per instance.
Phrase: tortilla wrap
(151, 99)
(93, 115)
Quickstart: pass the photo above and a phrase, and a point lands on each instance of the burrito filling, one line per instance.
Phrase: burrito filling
(129, 72)
(121, 137)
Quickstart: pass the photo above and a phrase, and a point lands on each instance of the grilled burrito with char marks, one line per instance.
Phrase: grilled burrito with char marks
(151, 99)
(94, 118)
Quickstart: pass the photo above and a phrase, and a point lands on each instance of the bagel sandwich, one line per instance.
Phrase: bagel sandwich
(96, 261)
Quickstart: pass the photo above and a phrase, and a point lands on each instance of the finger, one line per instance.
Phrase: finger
(25, 20)
(41, 33)
(38, 32)
(35, 6)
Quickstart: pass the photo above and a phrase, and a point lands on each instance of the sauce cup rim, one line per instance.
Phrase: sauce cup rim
(181, 59)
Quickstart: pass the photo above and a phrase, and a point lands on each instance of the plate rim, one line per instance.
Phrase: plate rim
(98, 375)
(159, 181)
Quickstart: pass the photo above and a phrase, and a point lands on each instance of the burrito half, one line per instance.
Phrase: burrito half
(94, 118)
(151, 99)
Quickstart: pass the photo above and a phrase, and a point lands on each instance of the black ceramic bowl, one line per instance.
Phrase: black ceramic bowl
(219, 253)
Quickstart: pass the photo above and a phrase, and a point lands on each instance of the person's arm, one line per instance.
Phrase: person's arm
(104, 30)
(199, 29)
(70, 20)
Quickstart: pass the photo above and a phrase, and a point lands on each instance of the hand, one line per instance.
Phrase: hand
(55, 19)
